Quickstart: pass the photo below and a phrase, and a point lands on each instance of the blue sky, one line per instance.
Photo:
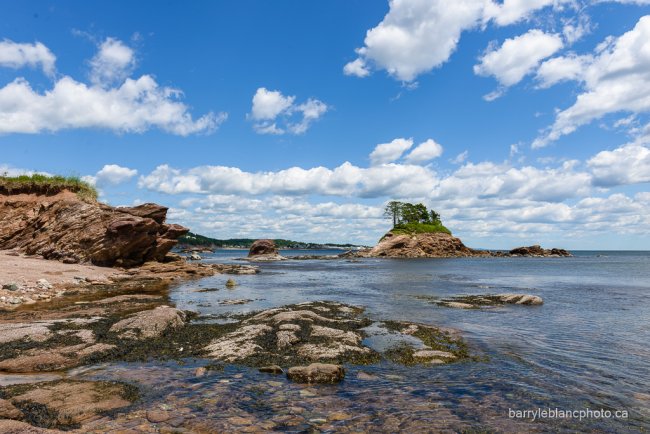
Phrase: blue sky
(520, 121)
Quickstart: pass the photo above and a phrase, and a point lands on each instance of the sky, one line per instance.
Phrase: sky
(519, 121)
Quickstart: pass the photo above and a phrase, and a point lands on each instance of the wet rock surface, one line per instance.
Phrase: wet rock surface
(114, 327)
(150, 323)
(316, 373)
(490, 300)
(25, 286)
(297, 333)
(66, 404)
(329, 332)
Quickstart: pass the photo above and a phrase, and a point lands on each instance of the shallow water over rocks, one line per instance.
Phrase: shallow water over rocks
(585, 347)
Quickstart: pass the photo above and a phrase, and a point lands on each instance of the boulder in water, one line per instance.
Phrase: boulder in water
(264, 250)
(316, 373)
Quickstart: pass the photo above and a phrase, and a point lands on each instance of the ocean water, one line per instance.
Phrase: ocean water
(585, 349)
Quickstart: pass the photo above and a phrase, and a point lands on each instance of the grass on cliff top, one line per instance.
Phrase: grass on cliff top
(47, 185)
(419, 228)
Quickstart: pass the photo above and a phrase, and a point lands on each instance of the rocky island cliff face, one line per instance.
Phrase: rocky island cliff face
(443, 245)
(425, 245)
(64, 227)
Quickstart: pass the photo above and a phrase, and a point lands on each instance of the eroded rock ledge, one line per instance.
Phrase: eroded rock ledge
(66, 228)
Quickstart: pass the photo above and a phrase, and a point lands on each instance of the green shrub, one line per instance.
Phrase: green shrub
(419, 228)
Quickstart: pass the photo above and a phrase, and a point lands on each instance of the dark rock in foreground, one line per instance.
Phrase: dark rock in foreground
(66, 228)
(316, 373)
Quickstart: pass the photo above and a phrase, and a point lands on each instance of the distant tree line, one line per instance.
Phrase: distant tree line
(196, 240)
(407, 213)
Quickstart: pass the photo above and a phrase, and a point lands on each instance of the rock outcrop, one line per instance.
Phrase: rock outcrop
(263, 247)
(441, 245)
(426, 245)
(264, 250)
(537, 251)
(490, 300)
(69, 229)
(149, 323)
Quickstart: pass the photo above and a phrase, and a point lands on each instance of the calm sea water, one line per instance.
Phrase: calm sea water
(587, 347)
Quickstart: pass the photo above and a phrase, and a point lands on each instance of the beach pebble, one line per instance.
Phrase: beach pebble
(339, 415)
(11, 286)
(43, 284)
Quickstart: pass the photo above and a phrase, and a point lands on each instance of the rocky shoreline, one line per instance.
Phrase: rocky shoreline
(104, 299)
(306, 342)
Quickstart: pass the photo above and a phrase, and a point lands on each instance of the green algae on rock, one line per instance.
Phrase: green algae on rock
(66, 404)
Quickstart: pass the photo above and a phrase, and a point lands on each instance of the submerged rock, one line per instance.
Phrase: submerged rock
(157, 416)
(65, 404)
(316, 373)
(273, 369)
(17, 427)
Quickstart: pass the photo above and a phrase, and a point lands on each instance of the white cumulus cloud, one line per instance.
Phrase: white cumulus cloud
(112, 174)
(357, 67)
(564, 68)
(417, 36)
(389, 152)
(135, 106)
(113, 62)
(616, 80)
(425, 151)
(18, 55)
(275, 113)
(628, 164)
(518, 56)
